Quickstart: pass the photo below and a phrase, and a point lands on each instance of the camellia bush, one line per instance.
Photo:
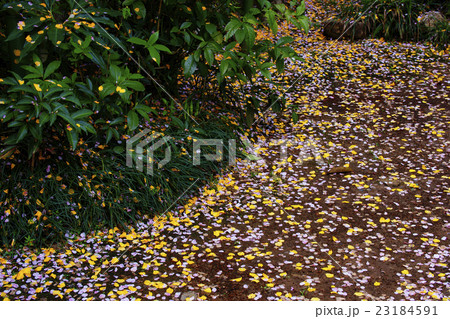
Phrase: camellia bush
(87, 68)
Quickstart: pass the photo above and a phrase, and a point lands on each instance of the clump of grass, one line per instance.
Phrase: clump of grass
(93, 188)
(395, 19)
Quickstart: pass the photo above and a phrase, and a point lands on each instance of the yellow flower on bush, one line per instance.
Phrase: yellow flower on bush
(37, 87)
(59, 26)
(37, 63)
(17, 52)
(120, 90)
(100, 88)
(29, 38)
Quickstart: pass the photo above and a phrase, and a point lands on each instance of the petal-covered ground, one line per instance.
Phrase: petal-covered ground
(349, 203)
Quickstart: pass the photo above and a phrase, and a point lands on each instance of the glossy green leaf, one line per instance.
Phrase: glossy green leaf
(132, 120)
(190, 66)
(52, 67)
(81, 114)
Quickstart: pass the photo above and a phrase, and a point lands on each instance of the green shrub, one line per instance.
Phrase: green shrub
(102, 59)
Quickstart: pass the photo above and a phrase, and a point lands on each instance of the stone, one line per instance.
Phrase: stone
(335, 28)
(430, 19)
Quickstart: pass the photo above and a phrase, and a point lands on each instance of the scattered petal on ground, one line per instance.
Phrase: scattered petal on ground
(359, 209)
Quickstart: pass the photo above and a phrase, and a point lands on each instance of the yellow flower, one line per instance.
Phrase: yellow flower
(76, 26)
(91, 25)
(29, 38)
(42, 19)
(37, 87)
(100, 88)
(120, 90)
(59, 26)
(17, 52)
(136, 9)
(21, 82)
(37, 63)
